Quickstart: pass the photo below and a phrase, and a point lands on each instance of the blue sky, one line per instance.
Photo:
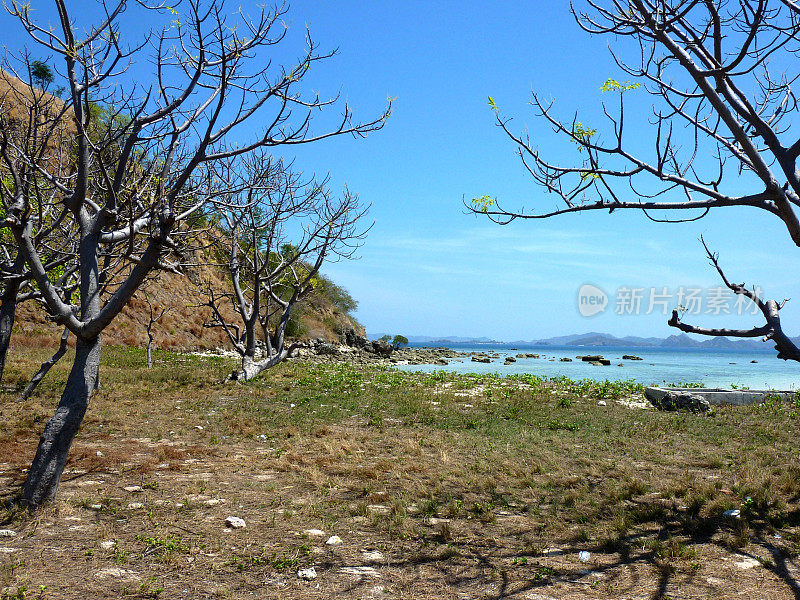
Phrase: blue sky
(427, 267)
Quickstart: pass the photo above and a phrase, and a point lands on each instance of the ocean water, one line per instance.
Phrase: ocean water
(712, 368)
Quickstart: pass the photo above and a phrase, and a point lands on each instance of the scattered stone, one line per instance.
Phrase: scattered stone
(213, 501)
(631, 357)
(378, 509)
(733, 513)
(307, 574)
(510, 359)
(746, 562)
(592, 358)
(753, 361)
(327, 350)
(133, 489)
(334, 540)
(314, 532)
(135, 506)
(382, 348)
(372, 556)
(537, 596)
(434, 521)
(7, 533)
(7, 550)
(565, 359)
(682, 401)
(96, 506)
(601, 403)
(360, 571)
(584, 556)
(235, 523)
(116, 573)
(108, 544)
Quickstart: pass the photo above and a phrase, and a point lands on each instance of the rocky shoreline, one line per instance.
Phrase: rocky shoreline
(355, 349)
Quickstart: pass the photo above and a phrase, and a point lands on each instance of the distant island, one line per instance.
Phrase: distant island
(603, 340)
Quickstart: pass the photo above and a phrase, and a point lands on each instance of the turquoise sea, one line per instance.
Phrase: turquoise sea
(713, 368)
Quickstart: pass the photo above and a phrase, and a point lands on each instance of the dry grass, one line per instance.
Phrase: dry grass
(487, 496)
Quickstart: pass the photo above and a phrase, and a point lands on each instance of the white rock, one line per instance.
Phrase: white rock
(733, 513)
(747, 562)
(213, 502)
(7, 550)
(372, 556)
(7, 533)
(116, 573)
(378, 509)
(96, 506)
(334, 540)
(584, 556)
(307, 574)
(360, 571)
(235, 523)
(314, 532)
(133, 489)
(135, 505)
(108, 544)
(602, 403)
(99, 453)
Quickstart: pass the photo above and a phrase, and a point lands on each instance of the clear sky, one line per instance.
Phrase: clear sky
(428, 267)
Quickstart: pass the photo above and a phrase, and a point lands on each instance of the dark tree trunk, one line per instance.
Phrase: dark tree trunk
(51, 455)
(46, 366)
(8, 311)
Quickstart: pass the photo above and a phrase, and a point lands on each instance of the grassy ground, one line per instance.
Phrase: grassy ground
(439, 486)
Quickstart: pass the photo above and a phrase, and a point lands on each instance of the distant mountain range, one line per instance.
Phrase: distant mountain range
(607, 340)
(673, 341)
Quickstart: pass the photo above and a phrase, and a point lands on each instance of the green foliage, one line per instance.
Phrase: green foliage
(582, 134)
(337, 295)
(295, 327)
(386, 338)
(612, 85)
(399, 341)
(492, 104)
(41, 73)
(483, 203)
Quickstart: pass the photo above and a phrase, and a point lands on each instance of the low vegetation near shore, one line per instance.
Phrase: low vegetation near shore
(395, 485)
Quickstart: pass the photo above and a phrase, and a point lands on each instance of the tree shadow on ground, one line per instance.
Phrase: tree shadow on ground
(649, 561)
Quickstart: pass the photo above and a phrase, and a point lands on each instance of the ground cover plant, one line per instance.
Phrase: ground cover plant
(439, 485)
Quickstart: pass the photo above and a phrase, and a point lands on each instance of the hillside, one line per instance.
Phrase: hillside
(183, 325)
(322, 314)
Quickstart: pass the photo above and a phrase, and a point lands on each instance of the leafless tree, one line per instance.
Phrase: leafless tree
(134, 189)
(720, 74)
(274, 239)
(148, 320)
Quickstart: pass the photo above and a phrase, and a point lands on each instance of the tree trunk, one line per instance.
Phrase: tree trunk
(252, 368)
(149, 350)
(8, 311)
(51, 455)
(46, 366)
